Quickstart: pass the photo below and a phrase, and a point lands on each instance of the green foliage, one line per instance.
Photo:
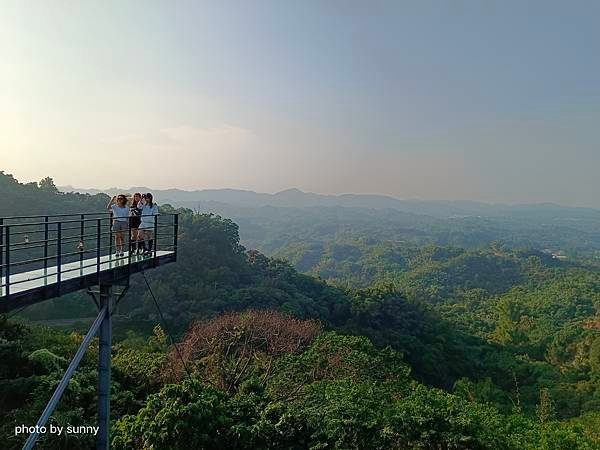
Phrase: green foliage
(45, 361)
(513, 333)
(340, 393)
(429, 418)
(28, 199)
(33, 362)
(595, 357)
(333, 356)
(188, 415)
(47, 184)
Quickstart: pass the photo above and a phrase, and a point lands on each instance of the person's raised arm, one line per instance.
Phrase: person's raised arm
(110, 203)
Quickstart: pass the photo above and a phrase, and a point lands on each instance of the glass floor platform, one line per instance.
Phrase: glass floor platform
(27, 283)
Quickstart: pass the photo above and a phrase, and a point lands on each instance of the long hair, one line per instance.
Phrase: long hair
(135, 202)
(149, 199)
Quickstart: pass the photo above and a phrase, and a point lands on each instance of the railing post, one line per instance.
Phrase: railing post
(155, 236)
(1, 250)
(129, 248)
(176, 231)
(110, 238)
(81, 233)
(58, 254)
(7, 262)
(46, 237)
(98, 245)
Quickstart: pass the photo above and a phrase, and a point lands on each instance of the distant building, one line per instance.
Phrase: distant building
(559, 255)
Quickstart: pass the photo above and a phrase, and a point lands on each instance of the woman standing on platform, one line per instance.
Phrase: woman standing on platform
(120, 217)
(149, 211)
(134, 223)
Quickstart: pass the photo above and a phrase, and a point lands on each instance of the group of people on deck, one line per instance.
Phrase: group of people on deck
(135, 214)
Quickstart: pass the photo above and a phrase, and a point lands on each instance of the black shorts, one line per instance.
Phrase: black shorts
(134, 222)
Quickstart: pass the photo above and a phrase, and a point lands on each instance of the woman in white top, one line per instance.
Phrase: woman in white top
(120, 215)
(149, 210)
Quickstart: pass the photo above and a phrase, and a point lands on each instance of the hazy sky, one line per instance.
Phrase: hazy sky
(495, 101)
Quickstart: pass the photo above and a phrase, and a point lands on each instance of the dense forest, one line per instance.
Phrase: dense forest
(573, 232)
(357, 341)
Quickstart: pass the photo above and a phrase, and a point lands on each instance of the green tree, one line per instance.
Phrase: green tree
(189, 415)
(47, 184)
(595, 356)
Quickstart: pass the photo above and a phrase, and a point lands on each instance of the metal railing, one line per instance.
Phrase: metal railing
(46, 245)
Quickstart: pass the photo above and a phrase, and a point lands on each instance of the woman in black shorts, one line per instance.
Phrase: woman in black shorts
(134, 224)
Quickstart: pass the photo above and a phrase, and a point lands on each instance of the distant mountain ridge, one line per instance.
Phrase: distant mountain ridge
(295, 198)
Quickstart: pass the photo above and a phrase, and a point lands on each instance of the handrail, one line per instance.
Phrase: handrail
(30, 244)
(26, 224)
(52, 215)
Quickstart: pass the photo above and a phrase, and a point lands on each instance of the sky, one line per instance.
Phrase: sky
(496, 101)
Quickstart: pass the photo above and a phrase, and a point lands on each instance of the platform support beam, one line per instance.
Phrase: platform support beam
(104, 359)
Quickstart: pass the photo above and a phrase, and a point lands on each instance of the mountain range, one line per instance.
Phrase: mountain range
(295, 198)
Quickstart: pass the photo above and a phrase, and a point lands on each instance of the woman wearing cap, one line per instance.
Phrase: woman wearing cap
(120, 216)
(149, 211)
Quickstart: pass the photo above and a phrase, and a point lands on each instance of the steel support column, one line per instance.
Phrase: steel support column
(104, 356)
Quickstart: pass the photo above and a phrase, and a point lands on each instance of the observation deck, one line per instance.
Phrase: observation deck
(42, 257)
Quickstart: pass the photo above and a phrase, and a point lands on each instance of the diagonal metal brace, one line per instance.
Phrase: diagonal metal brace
(120, 295)
(64, 382)
(93, 295)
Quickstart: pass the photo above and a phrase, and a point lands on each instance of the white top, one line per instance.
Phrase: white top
(147, 215)
(120, 214)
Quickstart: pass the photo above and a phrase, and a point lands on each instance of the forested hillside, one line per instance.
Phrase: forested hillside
(44, 198)
(382, 344)
(278, 223)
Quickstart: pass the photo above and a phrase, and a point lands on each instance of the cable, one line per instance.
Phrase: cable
(164, 323)
(10, 316)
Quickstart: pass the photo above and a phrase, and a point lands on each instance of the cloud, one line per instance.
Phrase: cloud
(124, 139)
(222, 136)
(185, 138)
(189, 156)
